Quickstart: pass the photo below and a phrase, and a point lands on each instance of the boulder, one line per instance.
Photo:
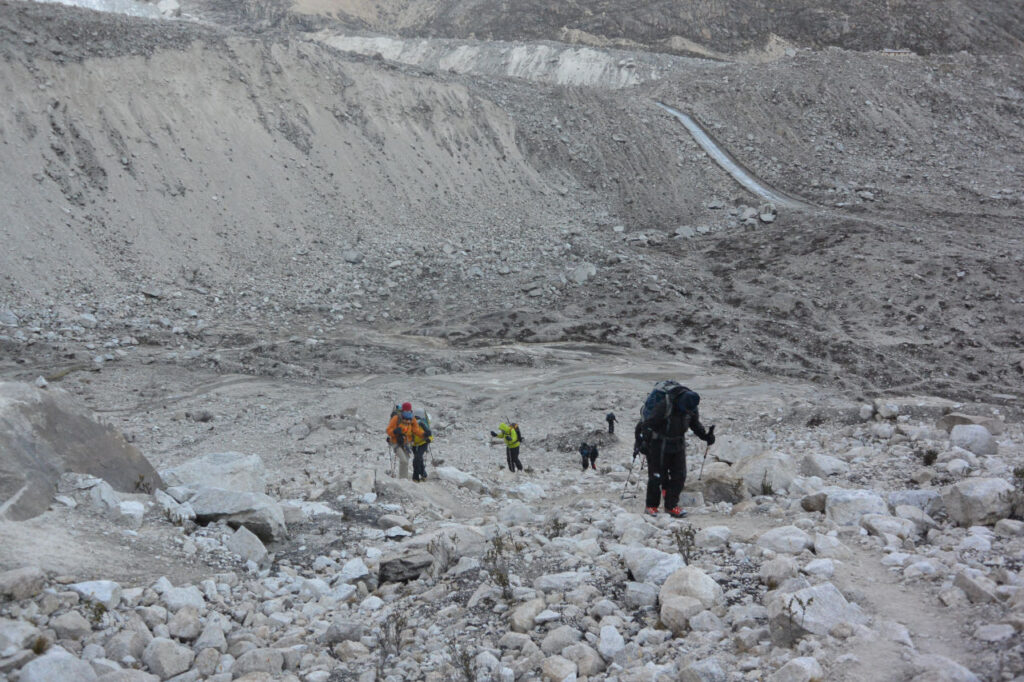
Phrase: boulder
(823, 466)
(733, 449)
(104, 592)
(588, 662)
(785, 540)
(22, 583)
(973, 438)
(815, 610)
(256, 511)
(845, 507)
(640, 595)
(936, 668)
(522, 616)
(649, 565)
(948, 421)
(263, 660)
(706, 670)
(404, 567)
(559, 582)
(342, 630)
(245, 544)
(462, 479)
(767, 474)
(16, 635)
(166, 658)
(690, 581)
(557, 669)
(71, 625)
(128, 675)
(978, 501)
(559, 638)
(223, 470)
(610, 642)
(56, 664)
(883, 524)
(460, 540)
(45, 433)
(676, 612)
(185, 624)
(800, 669)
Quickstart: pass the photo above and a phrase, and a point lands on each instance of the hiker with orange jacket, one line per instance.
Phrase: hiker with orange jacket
(403, 431)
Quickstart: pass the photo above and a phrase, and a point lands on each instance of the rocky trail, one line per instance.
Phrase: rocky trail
(234, 235)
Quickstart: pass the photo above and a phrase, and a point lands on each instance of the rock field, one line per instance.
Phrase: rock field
(231, 239)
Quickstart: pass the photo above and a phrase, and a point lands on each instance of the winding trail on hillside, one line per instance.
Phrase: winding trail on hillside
(733, 167)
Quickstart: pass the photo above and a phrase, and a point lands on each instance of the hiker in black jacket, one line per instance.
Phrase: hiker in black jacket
(588, 453)
(662, 441)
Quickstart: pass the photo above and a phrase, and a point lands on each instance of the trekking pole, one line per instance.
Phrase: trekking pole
(625, 486)
(710, 432)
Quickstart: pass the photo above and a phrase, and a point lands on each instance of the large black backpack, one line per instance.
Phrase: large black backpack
(667, 398)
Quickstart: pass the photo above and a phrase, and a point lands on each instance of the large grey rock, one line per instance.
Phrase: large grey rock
(245, 544)
(706, 670)
(973, 438)
(224, 470)
(785, 540)
(128, 675)
(404, 567)
(105, 592)
(883, 524)
(22, 583)
(845, 507)
(582, 272)
(948, 421)
(559, 638)
(166, 658)
(256, 511)
(649, 565)
(264, 660)
(767, 473)
(185, 624)
(71, 625)
(936, 668)
(45, 433)
(462, 479)
(57, 665)
(978, 501)
(559, 582)
(16, 635)
(557, 669)
(343, 630)
(800, 669)
(640, 595)
(690, 581)
(823, 466)
(177, 598)
(676, 612)
(460, 540)
(522, 616)
(815, 610)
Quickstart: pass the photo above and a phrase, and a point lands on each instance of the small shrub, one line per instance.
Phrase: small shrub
(685, 541)
(461, 659)
(767, 488)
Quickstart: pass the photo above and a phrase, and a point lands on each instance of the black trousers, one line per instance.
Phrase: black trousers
(665, 470)
(611, 427)
(512, 455)
(588, 461)
(419, 469)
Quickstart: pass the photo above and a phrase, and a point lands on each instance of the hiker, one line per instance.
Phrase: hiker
(589, 455)
(403, 429)
(610, 418)
(420, 443)
(660, 436)
(512, 437)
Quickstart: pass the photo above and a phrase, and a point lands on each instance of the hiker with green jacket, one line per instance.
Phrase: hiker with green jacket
(510, 434)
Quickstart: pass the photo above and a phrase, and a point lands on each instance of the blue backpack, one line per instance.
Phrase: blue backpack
(667, 398)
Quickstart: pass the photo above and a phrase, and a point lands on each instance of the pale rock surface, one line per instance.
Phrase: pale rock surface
(977, 501)
(785, 540)
(845, 507)
(57, 664)
(973, 438)
(224, 470)
(690, 581)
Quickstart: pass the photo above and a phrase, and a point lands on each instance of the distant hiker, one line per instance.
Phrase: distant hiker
(610, 418)
(403, 430)
(513, 437)
(589, 455)
(668, 413)
(420, 444)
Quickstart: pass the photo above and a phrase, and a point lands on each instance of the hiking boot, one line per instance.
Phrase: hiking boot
(593, 467)
(676, 512)
(651, 511)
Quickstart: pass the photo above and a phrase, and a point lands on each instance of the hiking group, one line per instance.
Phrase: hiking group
(668, 413)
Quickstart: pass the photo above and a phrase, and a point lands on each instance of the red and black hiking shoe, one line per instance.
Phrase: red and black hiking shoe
(651, 511)
(677, 512)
